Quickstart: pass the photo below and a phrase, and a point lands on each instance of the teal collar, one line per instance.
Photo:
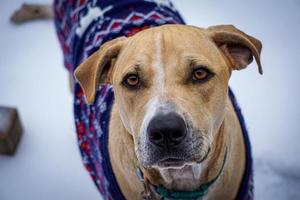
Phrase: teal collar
(166, 194)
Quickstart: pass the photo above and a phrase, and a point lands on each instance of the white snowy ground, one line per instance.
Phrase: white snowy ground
(47, 165)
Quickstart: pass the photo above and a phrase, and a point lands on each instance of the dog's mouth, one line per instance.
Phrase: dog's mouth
(178, 169)
(171, 163)
(177, 162)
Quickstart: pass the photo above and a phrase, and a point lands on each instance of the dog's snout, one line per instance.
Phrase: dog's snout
(167, 130)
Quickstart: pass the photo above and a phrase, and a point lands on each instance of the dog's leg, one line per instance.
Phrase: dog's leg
(29, 12)
(71, 83)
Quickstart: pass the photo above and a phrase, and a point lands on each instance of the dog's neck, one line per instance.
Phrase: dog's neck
(125, 164)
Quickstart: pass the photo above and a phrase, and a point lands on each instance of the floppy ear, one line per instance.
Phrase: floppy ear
(237, 46)
(96, 69)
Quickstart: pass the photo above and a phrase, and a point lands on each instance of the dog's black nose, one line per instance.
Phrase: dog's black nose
(167, 130)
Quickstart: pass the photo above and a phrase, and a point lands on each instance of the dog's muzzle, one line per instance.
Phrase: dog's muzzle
(166, 136)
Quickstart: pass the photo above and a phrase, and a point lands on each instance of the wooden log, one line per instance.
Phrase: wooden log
(10, 130)
(29, 12)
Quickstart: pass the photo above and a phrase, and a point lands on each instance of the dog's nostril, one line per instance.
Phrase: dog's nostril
(156, 137)
(177, 135)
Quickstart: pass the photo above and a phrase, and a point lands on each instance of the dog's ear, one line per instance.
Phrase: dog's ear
(237, 46)
(97, 68)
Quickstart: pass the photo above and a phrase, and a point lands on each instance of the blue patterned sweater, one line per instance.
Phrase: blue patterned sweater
(82, 26)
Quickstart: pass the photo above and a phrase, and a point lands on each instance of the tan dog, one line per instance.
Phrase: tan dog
(172, 116)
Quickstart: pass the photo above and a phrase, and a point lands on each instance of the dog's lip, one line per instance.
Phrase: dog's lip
(204, 158)
(175, 162)
(171, 162)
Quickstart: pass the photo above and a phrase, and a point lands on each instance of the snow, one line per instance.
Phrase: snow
(47, 164)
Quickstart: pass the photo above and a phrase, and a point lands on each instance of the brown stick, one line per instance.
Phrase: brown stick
(29, 12)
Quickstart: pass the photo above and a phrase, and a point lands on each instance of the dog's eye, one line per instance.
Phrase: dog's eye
(131, 80)
(201, 74)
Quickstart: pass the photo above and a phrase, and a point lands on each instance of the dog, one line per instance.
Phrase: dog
(155, 117)
(173, 116)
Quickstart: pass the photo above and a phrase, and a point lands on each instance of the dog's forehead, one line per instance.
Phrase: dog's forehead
(172, 41)
(175, 36)
(170, 47)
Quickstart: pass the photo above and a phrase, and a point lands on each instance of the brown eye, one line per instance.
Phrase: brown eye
(131, 80)
(201, 74)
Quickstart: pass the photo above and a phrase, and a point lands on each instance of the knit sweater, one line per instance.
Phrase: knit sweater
(82, 26)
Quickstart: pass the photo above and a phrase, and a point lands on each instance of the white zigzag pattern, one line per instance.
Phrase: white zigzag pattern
(92, 14)
(122, 22)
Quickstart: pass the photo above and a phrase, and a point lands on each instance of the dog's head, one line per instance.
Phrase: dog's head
(170, 85)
